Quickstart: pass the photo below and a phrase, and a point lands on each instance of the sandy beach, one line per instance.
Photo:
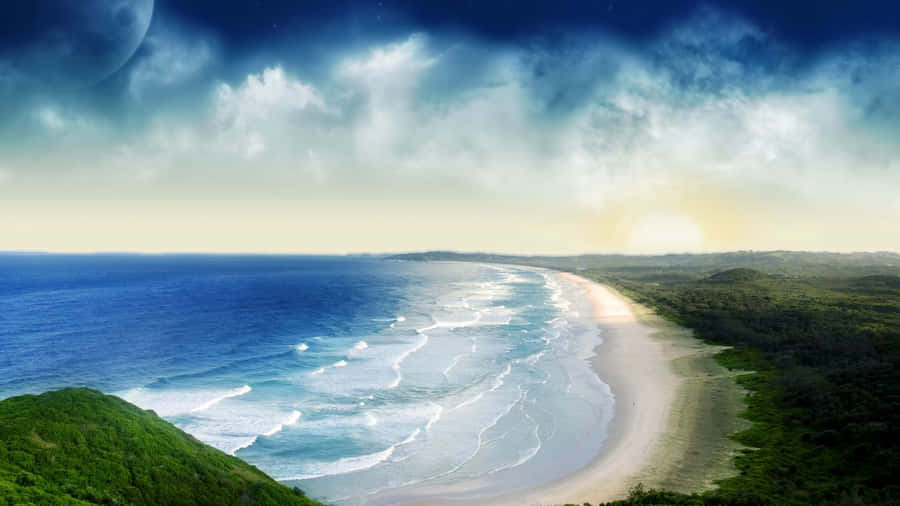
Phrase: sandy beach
(674, 410)
(637, 368)
(657, 373)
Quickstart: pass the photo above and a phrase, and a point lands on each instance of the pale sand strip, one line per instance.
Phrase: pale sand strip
(674, 410)
(674, 407)
(637, 370)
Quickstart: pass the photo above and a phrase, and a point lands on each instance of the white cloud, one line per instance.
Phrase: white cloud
(384, 80)
(267, 108)
(393, 68)
(263, 95)
(68, 126)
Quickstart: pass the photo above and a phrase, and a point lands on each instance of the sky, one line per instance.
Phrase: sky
(517, 127)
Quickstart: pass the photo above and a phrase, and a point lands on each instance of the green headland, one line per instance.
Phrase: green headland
(80, 446)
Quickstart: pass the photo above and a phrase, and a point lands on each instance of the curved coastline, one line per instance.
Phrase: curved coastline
(675, 408)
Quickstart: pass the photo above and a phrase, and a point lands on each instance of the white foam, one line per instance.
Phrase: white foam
(453, 363)
(410, 438)
(556, 296)
(318, 371)
(398, 319)
(481, 441)
(532, 359)
(371, 421)
(435, 417)
(250, 442)
(396, 365)
(292, 419)
(301, 347)
(344, 465)
(493, 423)
(453, 324)
(467, 402)
(352, 464)
(234, 393)
(529, 454)
(361, 345)
(498, 382)
(513, 277)
(339, 363)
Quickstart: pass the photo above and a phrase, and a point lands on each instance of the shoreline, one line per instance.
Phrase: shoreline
(666, 383)
(637, 369)
(675, 408)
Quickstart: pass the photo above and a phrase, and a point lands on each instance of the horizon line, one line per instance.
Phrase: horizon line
(430, 251)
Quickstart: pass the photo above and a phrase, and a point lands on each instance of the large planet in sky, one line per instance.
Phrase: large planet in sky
(72, 43)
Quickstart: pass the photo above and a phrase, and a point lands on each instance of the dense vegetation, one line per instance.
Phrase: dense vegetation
(821, 333)
(79, 446)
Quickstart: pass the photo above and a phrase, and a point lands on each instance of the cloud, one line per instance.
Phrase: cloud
(169, 57)
(586, 123)
(694, 109)
(268, 122)
(65, 127)
(50, 119)
(267, 108)
(391, 69)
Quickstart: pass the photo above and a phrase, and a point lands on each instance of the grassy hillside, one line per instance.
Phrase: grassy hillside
(79, 446)
(821, 333)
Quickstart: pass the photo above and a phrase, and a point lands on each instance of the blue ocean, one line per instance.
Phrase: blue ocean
(354, 378)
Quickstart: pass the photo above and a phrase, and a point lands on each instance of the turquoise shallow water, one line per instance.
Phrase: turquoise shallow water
(344, 376)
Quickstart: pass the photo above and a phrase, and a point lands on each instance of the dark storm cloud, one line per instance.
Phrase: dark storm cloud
(805, 23)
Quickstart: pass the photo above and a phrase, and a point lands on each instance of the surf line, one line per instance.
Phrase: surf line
(403, 356)
(292, 419)
(234, 393)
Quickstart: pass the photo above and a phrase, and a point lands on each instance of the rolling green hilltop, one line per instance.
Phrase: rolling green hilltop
(79, 446)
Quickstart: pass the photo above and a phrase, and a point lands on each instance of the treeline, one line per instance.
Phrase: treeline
(825, 395)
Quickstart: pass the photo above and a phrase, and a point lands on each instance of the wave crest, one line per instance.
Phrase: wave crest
(234, 393)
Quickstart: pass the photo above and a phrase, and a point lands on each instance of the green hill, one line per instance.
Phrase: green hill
(736, 275)
(80, 446)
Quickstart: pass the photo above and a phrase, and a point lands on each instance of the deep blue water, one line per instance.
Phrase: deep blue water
(343, 375)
